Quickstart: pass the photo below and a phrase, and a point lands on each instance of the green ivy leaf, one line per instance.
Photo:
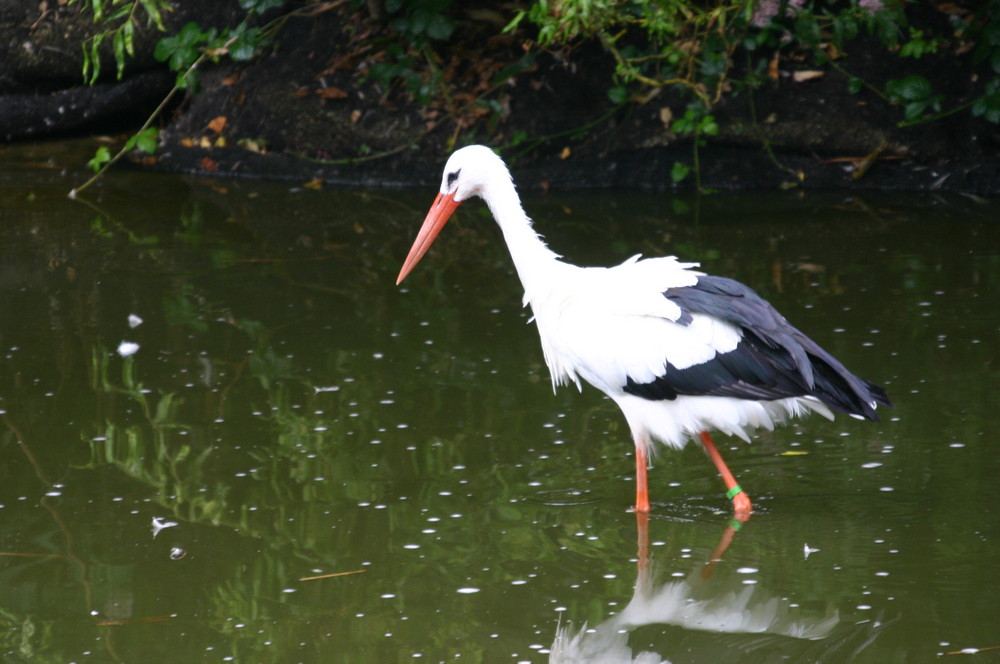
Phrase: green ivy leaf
(618, 94)
(988, 106)
(245, 46)
(439, 27)
(260, 6)
(101, 156)
(911, 88)
(707, 125)
(914, 109)
(181, 50)
(146, 140)
(679, 171)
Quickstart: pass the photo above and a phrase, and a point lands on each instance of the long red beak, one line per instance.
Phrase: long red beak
(437, 217)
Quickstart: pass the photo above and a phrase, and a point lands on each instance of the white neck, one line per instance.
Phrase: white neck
(533, 260)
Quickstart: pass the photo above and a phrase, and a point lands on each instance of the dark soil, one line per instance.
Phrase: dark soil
(308, 109)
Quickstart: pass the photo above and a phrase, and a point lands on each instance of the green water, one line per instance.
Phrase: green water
(288, 413)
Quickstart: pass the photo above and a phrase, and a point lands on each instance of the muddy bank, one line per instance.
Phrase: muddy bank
(309, 108)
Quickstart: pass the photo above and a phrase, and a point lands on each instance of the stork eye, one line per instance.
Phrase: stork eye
(453, 176)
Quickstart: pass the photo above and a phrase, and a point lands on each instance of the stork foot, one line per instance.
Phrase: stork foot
(742, 507)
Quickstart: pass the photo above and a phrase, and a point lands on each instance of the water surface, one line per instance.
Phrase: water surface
(227, 436)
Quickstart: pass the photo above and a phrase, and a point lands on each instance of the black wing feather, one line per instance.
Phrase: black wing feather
(773, 360)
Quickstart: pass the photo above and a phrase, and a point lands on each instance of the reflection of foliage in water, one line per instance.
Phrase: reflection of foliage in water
(311, 417)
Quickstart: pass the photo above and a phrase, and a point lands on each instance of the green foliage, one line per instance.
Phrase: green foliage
(403, 65)
(183, 52)
(100, 158)
(260, 6)
(696, 120)
(679, 172)
(919, 45)
(693, 46)
(559, 22)
(915, 94)
(420, 20)
(417, 24)
(987, 41)
(988, 105)
(191, 43)
(618, 94)
(180, 51)
(145, 140)
(121, 18)
(244, 42)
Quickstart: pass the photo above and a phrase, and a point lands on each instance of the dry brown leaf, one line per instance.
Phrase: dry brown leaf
(331, 93)
(772, 67)
(315, 185)
(209, 164)
(952, 9)
(807, 75)
(666, 116)
(187, 142)
(231, 80)
(218, 124)
(566, 153)
(355, 116)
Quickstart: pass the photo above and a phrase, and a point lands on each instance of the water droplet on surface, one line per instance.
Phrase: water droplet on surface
(127, 348)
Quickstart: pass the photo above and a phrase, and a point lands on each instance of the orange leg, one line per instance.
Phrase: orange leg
(641, 482)
(720, 548)
(741, 501)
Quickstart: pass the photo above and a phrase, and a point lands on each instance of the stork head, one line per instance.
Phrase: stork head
(469, 172)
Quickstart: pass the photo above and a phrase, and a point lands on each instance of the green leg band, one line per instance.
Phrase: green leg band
(735, 491)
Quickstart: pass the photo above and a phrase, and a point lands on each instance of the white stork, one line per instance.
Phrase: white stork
(679, 351)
